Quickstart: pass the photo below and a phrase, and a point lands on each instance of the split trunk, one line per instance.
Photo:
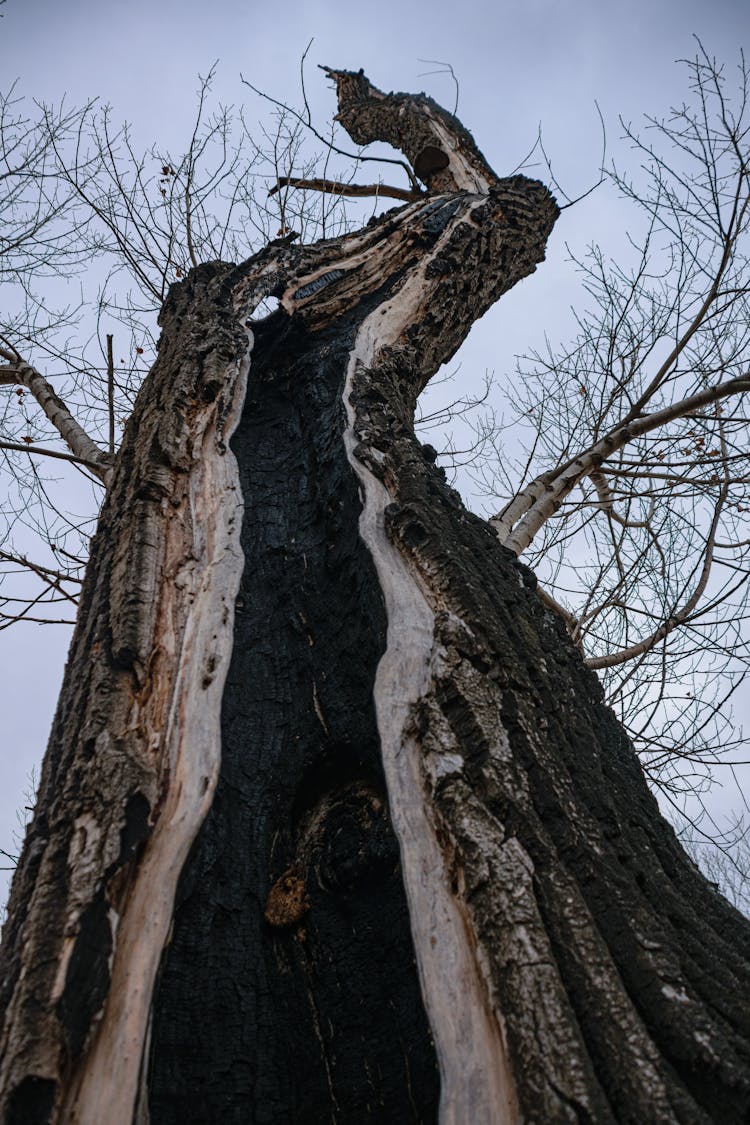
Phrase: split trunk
(334, 825)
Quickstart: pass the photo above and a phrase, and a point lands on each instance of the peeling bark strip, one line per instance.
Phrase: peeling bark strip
(393, 676)
(476, 1082)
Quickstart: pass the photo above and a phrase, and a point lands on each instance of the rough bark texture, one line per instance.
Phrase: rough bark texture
(414, 762)
(132, 759)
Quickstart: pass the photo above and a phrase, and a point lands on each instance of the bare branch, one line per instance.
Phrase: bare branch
(334, 187)
(441, 152)
(542, 498)
(83, 448)
(678, 617)
(38, 450)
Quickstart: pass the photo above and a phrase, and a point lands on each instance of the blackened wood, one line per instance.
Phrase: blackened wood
(305, 1007)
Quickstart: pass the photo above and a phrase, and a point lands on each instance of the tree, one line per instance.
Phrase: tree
(314, 707)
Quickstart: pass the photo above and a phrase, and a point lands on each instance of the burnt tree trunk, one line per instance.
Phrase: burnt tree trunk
(333, 825)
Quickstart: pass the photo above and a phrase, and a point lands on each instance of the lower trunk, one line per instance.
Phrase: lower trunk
(424, 870)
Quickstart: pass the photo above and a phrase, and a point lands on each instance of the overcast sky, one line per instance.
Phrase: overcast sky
(519, 63)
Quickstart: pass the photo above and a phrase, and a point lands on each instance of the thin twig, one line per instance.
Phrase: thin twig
(37, 449)
(446, 69)
(111, 394)
(341, 152)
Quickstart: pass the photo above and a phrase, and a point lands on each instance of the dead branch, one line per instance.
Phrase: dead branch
(335, 187)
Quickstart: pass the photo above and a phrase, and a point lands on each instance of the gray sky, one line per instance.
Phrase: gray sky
(519, 63)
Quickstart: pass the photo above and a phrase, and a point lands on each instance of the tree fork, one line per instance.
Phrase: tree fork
(282, 749)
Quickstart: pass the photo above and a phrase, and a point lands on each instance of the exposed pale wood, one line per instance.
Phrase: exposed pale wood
(195, 670)
(476, 1080)
(133, 761)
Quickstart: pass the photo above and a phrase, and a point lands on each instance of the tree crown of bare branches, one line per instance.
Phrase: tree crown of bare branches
(631, 494)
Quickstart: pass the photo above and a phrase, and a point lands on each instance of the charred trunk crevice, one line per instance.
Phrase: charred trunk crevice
(289, 991)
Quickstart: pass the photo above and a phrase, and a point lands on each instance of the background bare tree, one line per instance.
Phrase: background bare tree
(631, 492)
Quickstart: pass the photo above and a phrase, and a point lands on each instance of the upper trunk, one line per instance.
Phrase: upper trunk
(389, 670)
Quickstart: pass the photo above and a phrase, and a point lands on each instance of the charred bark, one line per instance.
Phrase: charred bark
(331, 804)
